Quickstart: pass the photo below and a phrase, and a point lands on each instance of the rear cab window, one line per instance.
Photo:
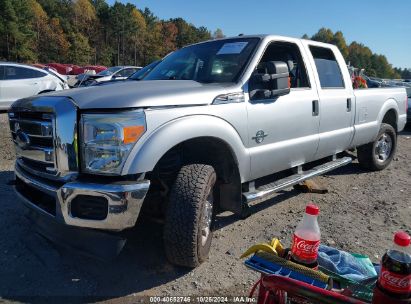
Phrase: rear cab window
(14, 73)
(328, 69)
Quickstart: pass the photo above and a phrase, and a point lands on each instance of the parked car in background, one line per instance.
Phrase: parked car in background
(112, 73)
(137, 76)
(20, 81)
(372, 82)
(409, 106)
(76, 70)
(59, 67)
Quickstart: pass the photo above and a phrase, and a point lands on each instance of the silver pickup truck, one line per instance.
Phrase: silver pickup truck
(213, 127)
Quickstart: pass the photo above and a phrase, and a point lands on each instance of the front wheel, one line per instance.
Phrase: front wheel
(378, 155)
(188, 220)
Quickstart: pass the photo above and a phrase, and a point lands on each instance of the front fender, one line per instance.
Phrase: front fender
(146, 154)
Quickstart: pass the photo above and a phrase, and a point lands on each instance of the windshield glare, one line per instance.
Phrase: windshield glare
(109, 71)
(218, 61)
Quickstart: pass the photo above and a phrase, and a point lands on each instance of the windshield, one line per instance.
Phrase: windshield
(109, 71)
(140, 74)
(216, 61)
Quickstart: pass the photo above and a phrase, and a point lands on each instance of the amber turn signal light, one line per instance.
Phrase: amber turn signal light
(132, 133)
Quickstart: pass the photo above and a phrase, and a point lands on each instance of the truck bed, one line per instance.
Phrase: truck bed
(371, 105)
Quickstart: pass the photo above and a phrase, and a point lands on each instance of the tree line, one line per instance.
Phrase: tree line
(90, 32)
(361, 56)
(94, 32)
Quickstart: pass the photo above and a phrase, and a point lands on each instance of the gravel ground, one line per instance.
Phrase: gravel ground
(360, 214)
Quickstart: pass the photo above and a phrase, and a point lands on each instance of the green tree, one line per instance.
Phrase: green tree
(80, 51)
(137, 31)
(9, 30)
(24, 42)
(117, 22)
(185, 34)
(323, 35)
(58, 45)
(218, 33)
(202, 33)
(84, 21)
(339, 41)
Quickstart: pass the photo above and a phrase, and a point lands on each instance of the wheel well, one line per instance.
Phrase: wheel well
(391, 118)
(203, 150)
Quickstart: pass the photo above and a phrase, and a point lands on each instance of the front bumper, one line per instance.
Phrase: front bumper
(124, 200)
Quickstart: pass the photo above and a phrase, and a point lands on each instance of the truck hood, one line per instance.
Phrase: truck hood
(149, 93)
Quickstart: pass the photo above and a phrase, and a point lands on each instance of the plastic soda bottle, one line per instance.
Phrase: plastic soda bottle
(306, 239)
(394, 281)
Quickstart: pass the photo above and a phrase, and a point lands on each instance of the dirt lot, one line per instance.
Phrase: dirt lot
(360, 213)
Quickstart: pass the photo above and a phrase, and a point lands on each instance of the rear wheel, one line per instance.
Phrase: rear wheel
(378, 155)
(189, 216)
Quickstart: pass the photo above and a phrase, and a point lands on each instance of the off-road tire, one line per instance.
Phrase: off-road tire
(367, 156)
(185, 211)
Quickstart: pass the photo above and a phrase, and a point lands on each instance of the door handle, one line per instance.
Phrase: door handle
(315, 108)
(348, 104)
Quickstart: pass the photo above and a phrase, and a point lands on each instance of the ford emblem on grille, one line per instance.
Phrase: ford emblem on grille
(22, 139)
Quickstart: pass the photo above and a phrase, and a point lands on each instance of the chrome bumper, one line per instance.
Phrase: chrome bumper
(124, 200)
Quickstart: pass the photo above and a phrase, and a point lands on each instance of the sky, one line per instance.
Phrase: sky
(382, 25)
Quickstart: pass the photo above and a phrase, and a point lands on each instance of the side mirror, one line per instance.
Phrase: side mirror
(270, 80)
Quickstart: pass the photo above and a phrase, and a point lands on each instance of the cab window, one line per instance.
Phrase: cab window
(328, 69)
(290, 54)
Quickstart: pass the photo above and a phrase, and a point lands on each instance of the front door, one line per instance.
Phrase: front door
(283, 132)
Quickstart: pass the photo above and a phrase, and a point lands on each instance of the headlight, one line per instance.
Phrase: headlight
(107, 140)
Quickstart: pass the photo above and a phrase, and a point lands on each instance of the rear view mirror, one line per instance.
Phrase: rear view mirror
(271, 79)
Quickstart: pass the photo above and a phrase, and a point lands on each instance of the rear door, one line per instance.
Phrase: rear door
(336, 101)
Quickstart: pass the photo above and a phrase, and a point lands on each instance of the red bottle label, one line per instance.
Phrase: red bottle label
(394, 282)
(305, 250)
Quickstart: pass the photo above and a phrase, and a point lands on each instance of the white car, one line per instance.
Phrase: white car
(112, 73)
(20, 81)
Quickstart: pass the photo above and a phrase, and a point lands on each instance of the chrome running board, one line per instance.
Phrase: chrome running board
(268, 191)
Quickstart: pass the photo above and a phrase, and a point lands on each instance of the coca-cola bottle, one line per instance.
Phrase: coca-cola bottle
(394, 281)
(306, 239)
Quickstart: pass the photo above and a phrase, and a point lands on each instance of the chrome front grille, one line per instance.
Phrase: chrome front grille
(44, 131)
(33, 139)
